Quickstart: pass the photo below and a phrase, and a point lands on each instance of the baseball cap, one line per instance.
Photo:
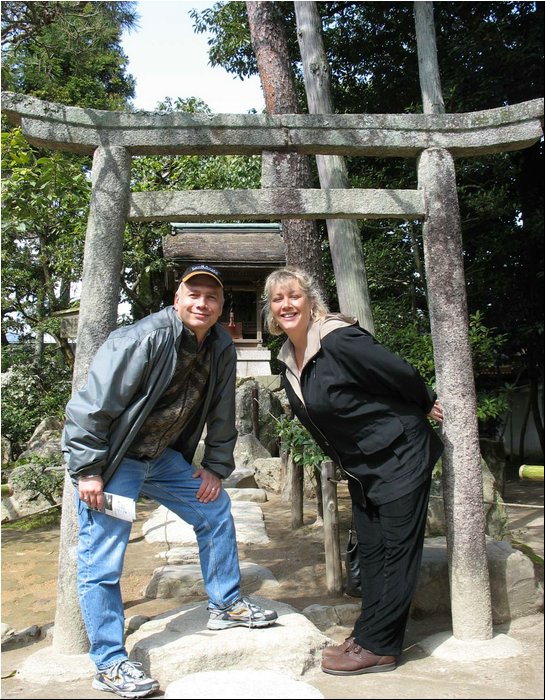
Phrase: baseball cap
(201, 269)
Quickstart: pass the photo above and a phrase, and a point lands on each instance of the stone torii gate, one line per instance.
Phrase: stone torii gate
(433, 139)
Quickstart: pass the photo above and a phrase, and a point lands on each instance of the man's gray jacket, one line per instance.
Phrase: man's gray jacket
(128, 375)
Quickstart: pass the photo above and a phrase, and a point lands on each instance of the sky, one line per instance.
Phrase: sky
(167, 59)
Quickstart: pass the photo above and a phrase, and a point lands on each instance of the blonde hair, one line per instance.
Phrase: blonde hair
(285, 278)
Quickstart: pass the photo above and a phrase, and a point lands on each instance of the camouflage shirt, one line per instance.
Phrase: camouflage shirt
(181, 399)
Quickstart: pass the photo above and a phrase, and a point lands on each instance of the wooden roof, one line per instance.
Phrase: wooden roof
(240, 251)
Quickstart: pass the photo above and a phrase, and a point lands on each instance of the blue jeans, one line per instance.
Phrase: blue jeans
(103, 540)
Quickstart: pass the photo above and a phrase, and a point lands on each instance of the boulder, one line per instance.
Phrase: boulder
(515, 591)
(257, 408)
(45, 440)
(494, 508)
(268, 473)
(178, 643)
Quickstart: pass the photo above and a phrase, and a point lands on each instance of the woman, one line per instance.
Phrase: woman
(367, 409)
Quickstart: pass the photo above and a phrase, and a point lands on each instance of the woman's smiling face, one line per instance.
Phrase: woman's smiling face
(291, 308)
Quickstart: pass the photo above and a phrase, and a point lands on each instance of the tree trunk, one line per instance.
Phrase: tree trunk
(428, 65)
(270, 46)
(443, 254)
(344, 234)
(97, 317)
(39, 335)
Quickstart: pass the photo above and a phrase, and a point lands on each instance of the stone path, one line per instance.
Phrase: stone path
(286, 656)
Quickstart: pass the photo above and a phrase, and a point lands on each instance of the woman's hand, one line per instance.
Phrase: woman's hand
(436, 412)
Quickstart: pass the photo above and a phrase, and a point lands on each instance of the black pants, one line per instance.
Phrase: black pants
(391, 539)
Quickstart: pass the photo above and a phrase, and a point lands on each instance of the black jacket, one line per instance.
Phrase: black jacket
(365, 407)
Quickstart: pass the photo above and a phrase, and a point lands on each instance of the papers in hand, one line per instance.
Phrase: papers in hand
(119, 506)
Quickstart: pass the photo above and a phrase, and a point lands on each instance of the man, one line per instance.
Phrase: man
(133, 429)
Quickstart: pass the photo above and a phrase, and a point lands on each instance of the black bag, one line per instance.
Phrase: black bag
(352, 565)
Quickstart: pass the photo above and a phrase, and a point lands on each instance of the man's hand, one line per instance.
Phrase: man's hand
(210, 488)
(91, 491)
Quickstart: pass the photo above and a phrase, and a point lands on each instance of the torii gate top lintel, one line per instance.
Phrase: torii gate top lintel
(82, 130)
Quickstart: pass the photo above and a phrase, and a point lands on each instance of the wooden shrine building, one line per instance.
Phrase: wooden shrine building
(244, 254)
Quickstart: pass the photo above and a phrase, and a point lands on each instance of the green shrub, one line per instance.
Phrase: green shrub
(32, 392)
(295, 438)
(41, 477)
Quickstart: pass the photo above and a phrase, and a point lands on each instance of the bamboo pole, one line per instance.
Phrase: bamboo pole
(531, 472)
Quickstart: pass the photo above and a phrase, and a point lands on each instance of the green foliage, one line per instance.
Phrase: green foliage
(274, 343)
(44, 213)
(67, 52)
(412, 344)
(487, 346)
(415, 346)
(232, 45)
(31, 392)
(295, 438)
(42, 476)
(493, 406)
(486, 343)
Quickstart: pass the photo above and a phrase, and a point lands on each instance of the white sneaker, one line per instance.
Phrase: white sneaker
(241, 613)
(124, 678)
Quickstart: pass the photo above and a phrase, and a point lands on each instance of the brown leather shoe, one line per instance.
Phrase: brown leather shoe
(330, 652)
(355, 660)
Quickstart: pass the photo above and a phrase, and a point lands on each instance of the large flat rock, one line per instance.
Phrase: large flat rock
(178, 643)
(180, 580)
(166, 526)
(248, 684)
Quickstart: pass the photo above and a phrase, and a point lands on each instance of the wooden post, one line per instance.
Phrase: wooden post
(284, 473)
(255, 411)
(333, 571)
(296, 476)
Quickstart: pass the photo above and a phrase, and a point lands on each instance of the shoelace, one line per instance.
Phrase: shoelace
(129, 668)
(354, 647)
(251, 609)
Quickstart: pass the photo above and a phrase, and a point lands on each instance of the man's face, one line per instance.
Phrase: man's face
(199, 303)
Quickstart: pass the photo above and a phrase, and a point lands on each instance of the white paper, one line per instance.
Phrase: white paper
(119, 506)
